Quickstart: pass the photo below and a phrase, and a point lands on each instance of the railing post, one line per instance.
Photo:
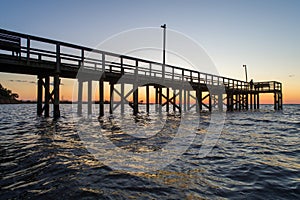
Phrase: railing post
(28, 48)
(172, 73)
(103, 64)
(136, 70)
(163, 72)
(57, 58)
(82, 57)
(122, 67)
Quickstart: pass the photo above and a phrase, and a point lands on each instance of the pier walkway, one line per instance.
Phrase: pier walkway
(174, 86)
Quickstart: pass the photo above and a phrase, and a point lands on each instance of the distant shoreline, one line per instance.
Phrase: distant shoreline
(61, 102)
(14, 101)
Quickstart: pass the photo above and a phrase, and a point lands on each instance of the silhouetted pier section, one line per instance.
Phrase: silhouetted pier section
(175, 90)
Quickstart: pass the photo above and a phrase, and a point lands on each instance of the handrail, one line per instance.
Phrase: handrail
(69, 59)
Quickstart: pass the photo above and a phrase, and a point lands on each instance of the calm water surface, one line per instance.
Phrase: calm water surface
(256, 157)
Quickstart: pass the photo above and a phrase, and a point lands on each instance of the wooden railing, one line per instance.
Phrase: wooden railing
(40, 49)
(266, 86)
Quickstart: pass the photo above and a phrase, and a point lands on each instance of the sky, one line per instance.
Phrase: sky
(263, 34)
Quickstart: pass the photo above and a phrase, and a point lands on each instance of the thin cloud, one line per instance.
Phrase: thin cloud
(31, 82)
(22, 81)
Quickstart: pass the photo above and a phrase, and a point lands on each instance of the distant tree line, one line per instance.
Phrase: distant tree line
(7, 94)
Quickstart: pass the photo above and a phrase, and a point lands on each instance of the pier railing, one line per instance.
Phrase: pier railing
(267, 86)
(38, 49)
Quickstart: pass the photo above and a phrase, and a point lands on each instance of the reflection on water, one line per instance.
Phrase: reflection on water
(257, 156)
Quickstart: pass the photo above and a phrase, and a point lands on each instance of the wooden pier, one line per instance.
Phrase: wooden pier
(175, 88)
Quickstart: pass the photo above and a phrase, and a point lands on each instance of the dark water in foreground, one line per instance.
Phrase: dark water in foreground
(256, 157)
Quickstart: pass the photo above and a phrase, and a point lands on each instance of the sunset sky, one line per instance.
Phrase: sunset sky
(264, 35)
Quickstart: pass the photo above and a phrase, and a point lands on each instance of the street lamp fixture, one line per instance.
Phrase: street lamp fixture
(245, 66)
(164, 26)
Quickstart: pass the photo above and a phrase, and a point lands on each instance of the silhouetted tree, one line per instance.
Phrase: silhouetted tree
(6, 93)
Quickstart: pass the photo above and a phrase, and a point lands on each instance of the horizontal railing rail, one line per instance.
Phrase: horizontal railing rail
(43, 49)
(265, 86)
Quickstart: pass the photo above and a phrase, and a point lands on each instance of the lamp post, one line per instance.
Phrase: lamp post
(164, 49)
(246, 72)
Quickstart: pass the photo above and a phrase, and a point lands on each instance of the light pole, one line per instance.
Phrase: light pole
(246, 72)
(164, 49)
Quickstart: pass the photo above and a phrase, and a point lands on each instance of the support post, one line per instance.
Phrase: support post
(47, 96)
(147, 99)
(199, 100)
(188, 100)
(240, 101)
(232, 102)
(122, 99)
(56, 96)
(220, 102)
(209, 100)
(280, 101)
(168, 97)
(156, 99)
(174, 100)
(101, 98)
(160, 99)
(136, 101)
(257, 100)
(89, 97)
(255, 103)
(180, 100)
(79, 99)
(112, 87)
(40, 96)
(276, 101)
(184, 99)
(251, 106)
(56, 111)
(247, 101)
(228, 103)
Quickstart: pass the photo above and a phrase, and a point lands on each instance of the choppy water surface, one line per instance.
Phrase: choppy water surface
(256, 157)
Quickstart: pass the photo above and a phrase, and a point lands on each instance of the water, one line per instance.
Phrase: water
(256, 157)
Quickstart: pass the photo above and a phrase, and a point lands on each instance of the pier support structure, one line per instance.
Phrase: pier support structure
(43, 104)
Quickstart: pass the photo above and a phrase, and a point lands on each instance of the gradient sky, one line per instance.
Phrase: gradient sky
(264, 34)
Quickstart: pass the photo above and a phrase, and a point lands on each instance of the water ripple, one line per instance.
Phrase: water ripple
(256, 157)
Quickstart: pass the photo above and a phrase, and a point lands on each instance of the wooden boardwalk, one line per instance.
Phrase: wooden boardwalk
(177, 87)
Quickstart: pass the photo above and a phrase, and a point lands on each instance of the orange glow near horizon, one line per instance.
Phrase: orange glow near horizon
(25, 86)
